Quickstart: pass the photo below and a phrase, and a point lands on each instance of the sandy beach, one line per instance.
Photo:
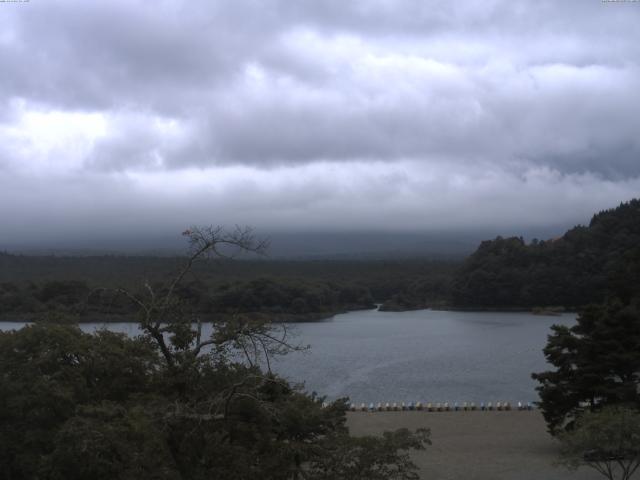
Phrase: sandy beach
(477, 445)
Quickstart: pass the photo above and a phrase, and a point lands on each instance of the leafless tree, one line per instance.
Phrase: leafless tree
(178, 333)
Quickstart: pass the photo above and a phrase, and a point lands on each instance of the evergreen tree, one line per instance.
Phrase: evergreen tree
(597, 362)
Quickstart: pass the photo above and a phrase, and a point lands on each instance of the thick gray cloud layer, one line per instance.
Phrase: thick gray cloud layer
(316, 114)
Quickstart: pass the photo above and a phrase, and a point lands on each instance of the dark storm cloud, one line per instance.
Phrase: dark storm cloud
(103, 55)
(550, 81)
(285, 112)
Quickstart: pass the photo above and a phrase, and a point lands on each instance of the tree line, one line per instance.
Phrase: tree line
(79, 301)
(590, 397)
(574, 270)
(34, 286)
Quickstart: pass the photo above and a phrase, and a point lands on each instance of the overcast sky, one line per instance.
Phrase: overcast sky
(137, 117)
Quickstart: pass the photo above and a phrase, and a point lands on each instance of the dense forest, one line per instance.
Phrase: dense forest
(592, 391)
(570, 271)
(172, 404)
(83, 288)
(579, 268)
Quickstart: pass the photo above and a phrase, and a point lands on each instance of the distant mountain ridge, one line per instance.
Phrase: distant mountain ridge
(585, 265)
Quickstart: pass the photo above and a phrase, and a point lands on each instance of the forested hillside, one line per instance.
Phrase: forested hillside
(84, 287)
(578, 268)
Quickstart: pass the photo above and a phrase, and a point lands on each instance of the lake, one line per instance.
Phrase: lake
(426, 355)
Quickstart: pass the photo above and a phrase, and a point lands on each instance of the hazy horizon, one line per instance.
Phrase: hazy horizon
(296, 245)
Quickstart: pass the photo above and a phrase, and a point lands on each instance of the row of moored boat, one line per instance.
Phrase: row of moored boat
(440, 407)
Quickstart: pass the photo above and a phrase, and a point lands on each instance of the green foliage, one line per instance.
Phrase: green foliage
(107, 440)
(577, 269)
(370, 458)
(173, 405)
(47, 373)
(597, 362)
(75, 406)
(64, 292)
(264, 286)
(261, 295)
(607, 441)
(287, 296)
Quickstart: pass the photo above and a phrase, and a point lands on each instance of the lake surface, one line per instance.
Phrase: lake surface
(425, 355)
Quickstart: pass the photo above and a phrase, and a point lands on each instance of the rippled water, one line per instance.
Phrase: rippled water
(425, 355)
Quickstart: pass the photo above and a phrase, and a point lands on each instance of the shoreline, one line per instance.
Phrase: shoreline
(452, 308)
(311, 317)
